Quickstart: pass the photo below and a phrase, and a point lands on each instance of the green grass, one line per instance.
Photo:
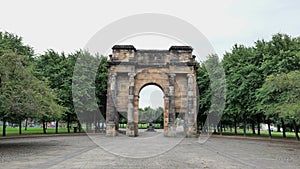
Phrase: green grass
(15, 130)
(262, 133)
(30, 130)
(141, 126)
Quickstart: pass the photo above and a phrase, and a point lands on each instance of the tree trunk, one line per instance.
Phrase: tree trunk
(221, 130)
(44, 127)
(4, 128)
(26, 124)
(258, 125)
(296, 129)
(79, 126)
(20, 127)
(87, 127)
(68, 123)
(283, 129)
(269, 129)
(56, 127)
(90, 126)
(278, 128)
(245, 125)
(253, 127)
(235, 126)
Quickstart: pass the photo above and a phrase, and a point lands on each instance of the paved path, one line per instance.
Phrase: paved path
(147, 151)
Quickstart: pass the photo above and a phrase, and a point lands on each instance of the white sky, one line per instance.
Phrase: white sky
(151, 96)
(68, 25)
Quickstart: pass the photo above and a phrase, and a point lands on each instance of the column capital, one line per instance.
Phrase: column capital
(113, 75)
(172, 78)
(131, 78)
(131, 74)
(190, 75)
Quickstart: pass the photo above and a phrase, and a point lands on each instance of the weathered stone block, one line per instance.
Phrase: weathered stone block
(111, 129)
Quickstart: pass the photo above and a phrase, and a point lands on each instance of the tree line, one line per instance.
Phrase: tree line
(39, 87)
(262, 85)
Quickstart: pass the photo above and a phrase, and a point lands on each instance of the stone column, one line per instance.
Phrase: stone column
(171, 125)
(190, 115)
(136, 115)
(111, 99)
(166, 115)
(130, 111)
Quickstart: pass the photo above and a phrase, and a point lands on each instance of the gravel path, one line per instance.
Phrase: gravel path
(83, 152)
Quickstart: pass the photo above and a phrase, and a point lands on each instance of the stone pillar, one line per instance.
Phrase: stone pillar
(171, 124)
(136, 115)
(130, 112)
(166, 115)
(111, 116)
(190, 128)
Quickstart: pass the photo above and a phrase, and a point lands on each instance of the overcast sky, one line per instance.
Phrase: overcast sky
(68, 25)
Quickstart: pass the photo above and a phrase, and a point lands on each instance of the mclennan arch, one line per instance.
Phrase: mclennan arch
(173, 70)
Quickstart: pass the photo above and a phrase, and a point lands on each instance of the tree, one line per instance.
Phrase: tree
(22, 94)
(246, 70)
(149, 114)
(280, 97)
(203, 83)
(280, 55)
(243, 78)
(101, 88)
(14, 43)
(89, 87)
(10, 43)
(57, 70)
(211, 84)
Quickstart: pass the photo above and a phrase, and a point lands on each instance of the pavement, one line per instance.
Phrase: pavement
(149, 150)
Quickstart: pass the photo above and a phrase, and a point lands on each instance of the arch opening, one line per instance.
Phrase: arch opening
(151, 108)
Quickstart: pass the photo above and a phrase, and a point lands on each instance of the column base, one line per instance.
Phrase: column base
(111, 129)
(191, 132)
(130, 129)
(171, 131)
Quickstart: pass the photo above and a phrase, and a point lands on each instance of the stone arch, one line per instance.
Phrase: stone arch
(143, 79)
(165, 91)
(173, 70)
(151, 83)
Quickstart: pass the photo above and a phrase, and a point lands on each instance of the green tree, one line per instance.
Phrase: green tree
(22, 94)
(101, 87)
(280, 55)
(9, 41)
(203, 83)
(280, 97)
(211, 84)
(242, 77)
(89, 88)
(57, 70)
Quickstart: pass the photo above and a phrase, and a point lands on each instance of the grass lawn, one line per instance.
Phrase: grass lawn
(31, 130)
(262, 133)
(142, 126)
